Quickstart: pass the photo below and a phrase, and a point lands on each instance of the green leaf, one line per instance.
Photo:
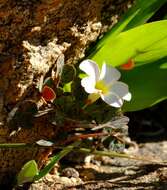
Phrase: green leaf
(148, 85)
(55, 159)
(64, 103)
(146, 10)
(77, 91)
(153, 53)
(48, 82)
(130, 44)
(67, 87)
(27, 173)
(101, 113)
(68, 73)
(165, 17)
(140, 12)
(150, 56)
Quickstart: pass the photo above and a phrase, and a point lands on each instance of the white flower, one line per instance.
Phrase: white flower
(104, 84)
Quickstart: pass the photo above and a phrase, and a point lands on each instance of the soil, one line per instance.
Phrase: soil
(148, 129)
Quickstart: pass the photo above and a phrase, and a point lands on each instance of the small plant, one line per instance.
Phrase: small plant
(90, 95)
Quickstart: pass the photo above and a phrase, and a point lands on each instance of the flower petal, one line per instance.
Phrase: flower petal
(121, 89)
(90, 68)
(113, 100)
(109, 74)
(127, 97)
(89, 84)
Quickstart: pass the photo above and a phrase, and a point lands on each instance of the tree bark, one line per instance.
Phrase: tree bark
(33, 34)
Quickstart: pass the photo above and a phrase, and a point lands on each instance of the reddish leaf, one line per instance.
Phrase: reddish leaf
(129, 65)
(48, 93)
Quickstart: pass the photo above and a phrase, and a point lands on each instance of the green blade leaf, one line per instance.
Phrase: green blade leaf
(55, 159)
(137, 15)
(27, 173)
(148, 85)
(165, 17)
(153, 53)
(151, 56)
(140, 12)
(146, 10)
(127, 45)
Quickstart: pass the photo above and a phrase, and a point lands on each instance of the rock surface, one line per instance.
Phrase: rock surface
(33, 34)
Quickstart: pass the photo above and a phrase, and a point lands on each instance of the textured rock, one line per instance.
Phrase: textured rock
(33, 33)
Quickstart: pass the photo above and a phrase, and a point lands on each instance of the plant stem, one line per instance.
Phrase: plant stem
(66, 150)
(15, 145)
(115, 154)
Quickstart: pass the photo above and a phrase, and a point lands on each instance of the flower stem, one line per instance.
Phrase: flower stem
(115, 154)
(83, 150)
(83, 107)
(15, 145)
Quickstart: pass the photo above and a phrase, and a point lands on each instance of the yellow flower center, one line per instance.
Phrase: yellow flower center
(102, 88)
(100, 85)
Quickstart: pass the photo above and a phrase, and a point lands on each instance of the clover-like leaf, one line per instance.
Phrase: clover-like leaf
(48, 93)
(68, 73)
(27, 173)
